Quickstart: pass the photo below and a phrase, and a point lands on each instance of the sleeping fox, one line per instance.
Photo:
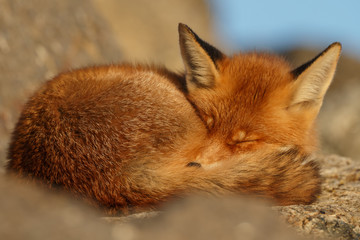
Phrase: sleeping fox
(131, 137)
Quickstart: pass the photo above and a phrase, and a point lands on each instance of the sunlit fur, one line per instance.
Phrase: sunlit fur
(252, 95)
(130, 137)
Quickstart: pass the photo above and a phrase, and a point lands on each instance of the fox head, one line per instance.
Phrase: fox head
(250, 99)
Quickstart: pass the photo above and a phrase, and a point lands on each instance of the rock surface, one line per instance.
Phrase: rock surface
(337, 211)
(146, 31)
(203, 219)
(29, 212)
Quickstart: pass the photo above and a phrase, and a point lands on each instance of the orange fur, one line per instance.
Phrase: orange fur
(131, 137)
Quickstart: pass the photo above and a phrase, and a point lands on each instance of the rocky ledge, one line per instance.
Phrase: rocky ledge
(337, 211)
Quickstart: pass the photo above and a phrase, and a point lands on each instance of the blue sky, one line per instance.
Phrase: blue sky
(280, 24)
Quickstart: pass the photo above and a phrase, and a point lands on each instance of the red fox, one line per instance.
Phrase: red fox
(131, 137)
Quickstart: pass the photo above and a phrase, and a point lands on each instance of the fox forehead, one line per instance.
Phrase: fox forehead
(253, 72)
(254, 79)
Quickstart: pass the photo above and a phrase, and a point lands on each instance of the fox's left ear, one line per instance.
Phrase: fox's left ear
(199, 59)
(314, 77)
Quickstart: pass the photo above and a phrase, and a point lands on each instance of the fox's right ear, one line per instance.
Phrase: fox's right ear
(199, 59)
(314, 77)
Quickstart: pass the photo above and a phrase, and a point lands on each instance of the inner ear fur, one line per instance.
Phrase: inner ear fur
(199, 59)
(313, 78)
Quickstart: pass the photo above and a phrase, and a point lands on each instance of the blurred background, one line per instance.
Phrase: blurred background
(40, 38)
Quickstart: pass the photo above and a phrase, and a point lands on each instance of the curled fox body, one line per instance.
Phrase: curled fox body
(130, 137)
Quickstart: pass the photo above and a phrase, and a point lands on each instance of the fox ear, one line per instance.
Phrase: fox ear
(199, 59)
(314, 77)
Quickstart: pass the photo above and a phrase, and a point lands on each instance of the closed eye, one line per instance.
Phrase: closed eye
(242, 137)
(231, 142)
(247, 141)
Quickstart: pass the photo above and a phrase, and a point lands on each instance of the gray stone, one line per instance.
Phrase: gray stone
(336, 213)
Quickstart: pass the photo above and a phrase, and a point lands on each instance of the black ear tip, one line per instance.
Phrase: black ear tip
(335, 45)
(183, 27)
